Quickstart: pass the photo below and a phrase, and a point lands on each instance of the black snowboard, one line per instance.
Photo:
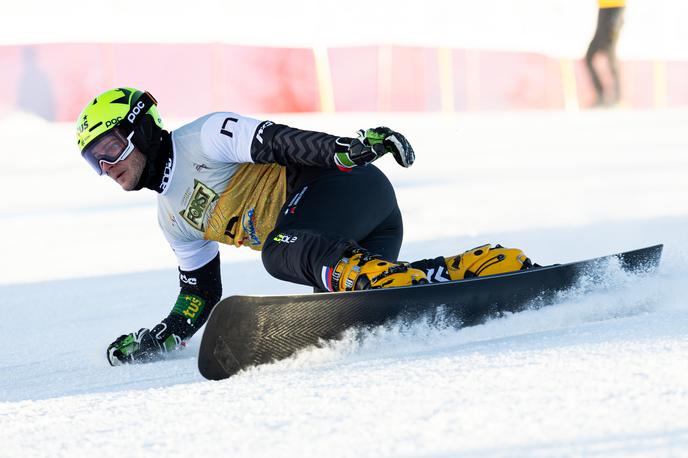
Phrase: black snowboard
(244, 331)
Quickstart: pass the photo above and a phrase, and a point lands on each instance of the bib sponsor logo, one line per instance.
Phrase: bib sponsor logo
(249, 224)
(201, 198)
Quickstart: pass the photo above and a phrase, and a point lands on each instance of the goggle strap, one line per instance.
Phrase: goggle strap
(137, 112)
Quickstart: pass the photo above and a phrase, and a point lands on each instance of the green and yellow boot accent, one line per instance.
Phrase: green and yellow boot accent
(363, 270)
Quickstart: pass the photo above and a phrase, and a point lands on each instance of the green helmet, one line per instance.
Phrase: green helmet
(115, 108)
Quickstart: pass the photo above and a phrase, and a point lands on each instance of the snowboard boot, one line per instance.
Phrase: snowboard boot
(486, 260)
(477, 262)
(359, 269)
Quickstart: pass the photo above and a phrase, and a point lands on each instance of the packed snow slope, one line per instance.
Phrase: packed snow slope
(598, 374)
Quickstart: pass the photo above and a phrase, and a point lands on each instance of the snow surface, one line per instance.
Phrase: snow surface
(601, 374)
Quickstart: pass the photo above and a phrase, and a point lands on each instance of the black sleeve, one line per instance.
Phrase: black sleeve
(284, 145)
(201, 289)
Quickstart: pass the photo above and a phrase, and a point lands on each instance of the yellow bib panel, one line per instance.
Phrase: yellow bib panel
(247, 210)
(603, 4)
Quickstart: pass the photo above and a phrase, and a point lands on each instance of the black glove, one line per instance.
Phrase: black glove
(143, 346)
(373, 143)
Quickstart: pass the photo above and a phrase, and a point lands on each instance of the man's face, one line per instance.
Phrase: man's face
(127, 172)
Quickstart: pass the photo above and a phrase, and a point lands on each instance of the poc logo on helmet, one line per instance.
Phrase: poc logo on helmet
(113, 122)
(131, 117)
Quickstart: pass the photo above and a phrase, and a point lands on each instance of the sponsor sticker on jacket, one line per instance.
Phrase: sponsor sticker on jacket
(199, 203)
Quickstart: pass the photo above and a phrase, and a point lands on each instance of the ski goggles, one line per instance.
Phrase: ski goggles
(116, 145)
(110, 148)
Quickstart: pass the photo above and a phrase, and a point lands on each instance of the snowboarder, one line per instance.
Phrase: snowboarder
(320, 212)
(609, 23)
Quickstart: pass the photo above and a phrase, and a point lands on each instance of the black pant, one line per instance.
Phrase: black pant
(609, 22)
(328, 212)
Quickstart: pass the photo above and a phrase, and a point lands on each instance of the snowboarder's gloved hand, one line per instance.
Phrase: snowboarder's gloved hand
(373, 143)
(144, 345)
